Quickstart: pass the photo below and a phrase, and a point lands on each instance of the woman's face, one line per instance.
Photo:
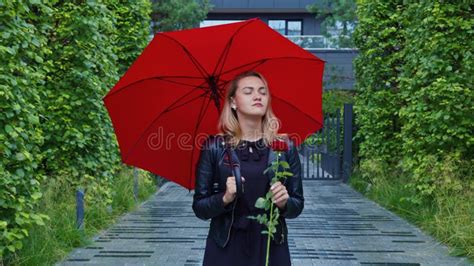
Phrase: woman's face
(251, 97)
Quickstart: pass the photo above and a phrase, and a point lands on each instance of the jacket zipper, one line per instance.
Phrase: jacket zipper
(232, 221)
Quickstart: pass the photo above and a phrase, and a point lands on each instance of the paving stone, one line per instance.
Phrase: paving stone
(338, 226)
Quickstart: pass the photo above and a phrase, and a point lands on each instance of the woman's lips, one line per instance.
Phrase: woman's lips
(258, 105)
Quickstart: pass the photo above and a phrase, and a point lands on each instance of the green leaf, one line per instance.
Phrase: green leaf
(18, 244)
(33, 119)
(36, 195)
(39, 222)
(20, 156)
(16, 107)
(38, 59)
(268, 204)
(284, 164)
(3, 224)
(19, 220)
(5, 34)
(35, 42)
(10, 50)
(8, 129)
(287, 173)
(19, 172)
(260, 203)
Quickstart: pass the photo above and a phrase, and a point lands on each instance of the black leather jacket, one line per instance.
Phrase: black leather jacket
(208, 195)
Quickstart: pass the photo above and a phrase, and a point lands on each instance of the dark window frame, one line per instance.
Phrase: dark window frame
(286, 24)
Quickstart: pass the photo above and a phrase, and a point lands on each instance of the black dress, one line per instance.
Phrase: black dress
(247, 246)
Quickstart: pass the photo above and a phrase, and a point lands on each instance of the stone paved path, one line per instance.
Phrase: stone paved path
(338, 226)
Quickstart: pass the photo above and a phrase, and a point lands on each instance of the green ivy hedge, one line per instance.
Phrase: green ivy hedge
(23, 70)
(58, 60)
(379, 39)
(436, 84)
(414, 101)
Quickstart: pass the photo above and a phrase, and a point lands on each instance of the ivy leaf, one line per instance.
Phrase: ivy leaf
(3, 224)
(20, 156)
(33, 119)
(36, 195)
(6, 34)
(8, 129)
(19, 172)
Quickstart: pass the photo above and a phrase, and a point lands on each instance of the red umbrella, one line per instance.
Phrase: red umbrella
(172, 94)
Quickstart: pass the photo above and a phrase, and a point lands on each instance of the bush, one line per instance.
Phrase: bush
(436, 84)
(59, 60)
(379, 38)
(23, 50)
(414, 107)
(414, 85)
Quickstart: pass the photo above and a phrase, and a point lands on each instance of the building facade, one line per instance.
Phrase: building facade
(292, 19)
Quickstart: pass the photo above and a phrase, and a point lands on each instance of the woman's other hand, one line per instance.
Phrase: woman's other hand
(231, 189)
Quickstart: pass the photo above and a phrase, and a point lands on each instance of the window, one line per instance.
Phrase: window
(294, 28)
(278, 25)
(286, 27)
(207, 23)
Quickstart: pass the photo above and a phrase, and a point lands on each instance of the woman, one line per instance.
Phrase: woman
(248, 124)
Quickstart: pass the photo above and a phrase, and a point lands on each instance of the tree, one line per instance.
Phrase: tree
(339, 20)
(171, 15)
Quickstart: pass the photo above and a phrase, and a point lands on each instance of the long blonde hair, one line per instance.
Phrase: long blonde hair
(229, 124)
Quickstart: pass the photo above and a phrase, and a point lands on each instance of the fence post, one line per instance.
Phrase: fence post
(80, 208)
(158, 181)
(347, 155)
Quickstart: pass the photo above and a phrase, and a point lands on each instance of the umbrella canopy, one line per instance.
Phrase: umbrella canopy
(172, 95)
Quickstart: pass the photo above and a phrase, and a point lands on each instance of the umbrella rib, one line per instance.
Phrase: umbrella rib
(223, 57)
(264, 60)
(177, 106)
(153, 122)
(164, 78)
(167, 109)
(199, 67)
(258, 62)
(222, 91)
(200, 117)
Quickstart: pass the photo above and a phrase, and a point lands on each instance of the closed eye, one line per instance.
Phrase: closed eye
(248, 90)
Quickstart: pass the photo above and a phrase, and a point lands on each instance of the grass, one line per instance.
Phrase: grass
(49, 244)
(447, 218)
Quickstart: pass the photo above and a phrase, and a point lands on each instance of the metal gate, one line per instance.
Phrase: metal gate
(327, 154)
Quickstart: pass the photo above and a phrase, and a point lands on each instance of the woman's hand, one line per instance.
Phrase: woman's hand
(280, 194)
(231, 189)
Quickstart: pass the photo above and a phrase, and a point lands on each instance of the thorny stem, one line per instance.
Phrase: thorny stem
(270, 225)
